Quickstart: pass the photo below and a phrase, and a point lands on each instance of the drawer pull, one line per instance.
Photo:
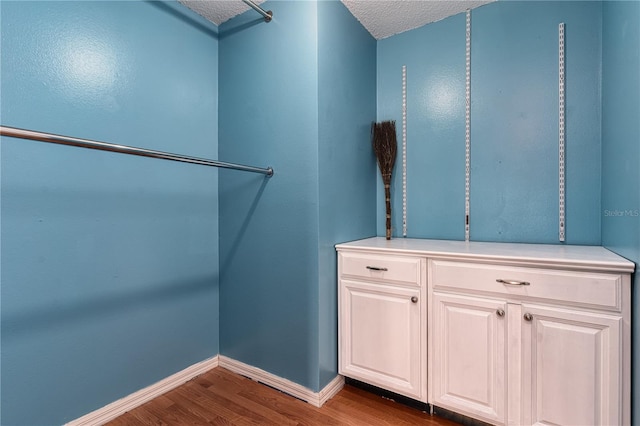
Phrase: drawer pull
(375, 268)
(512, 282)
(500, 312)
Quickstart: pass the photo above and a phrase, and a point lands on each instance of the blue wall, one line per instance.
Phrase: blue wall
(109, 262)
(514, 122)
(290, 100)
(347, 203)
(621, 148)
(269, 226)
(434, 56)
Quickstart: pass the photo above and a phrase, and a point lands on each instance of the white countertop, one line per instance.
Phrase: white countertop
(594, 258)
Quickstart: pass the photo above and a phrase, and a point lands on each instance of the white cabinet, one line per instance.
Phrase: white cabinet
(381, 336)
(571, 371)
(468, 356)
(381, 322)
(544, 343)
(517, 334)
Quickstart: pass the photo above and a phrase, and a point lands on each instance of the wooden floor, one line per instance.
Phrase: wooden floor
(221, 397)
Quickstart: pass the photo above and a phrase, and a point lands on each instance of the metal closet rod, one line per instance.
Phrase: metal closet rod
(268, 15)
(124, 149)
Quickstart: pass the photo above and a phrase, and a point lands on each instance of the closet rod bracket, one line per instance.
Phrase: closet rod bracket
(268, 15)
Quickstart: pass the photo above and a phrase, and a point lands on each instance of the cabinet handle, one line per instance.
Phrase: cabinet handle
(512, 282)
(375, 268)
(528, 317)
(500, 312)
(414, 299)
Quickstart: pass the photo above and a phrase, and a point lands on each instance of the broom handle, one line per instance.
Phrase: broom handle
(387, 195)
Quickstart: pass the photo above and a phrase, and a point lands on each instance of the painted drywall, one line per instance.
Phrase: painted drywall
(269, 226)
(620, 211)
(434, 56)
(109, 262)
(347, 204)
(308, 116)
(84, 296)
(514, 122)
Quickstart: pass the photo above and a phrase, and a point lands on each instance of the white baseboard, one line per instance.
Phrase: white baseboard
(329, 391)
(287, 386)
(121, 406)
(136, 399)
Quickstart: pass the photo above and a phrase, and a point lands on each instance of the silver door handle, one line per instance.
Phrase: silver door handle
(512, 282)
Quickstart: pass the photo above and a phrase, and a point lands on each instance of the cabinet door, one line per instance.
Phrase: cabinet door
(468, 348)
(380, 336)
(571, 367)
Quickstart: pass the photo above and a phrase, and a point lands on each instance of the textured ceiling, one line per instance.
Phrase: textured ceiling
(218, 11)
(386, 18)
(381, 18)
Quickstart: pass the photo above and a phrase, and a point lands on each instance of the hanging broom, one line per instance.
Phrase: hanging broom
(385, 147)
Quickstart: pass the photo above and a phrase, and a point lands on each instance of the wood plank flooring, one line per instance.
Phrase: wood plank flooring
(220, 397)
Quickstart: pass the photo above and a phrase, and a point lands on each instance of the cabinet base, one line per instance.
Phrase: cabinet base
(458, 418)
(401, 399)
(418, 405)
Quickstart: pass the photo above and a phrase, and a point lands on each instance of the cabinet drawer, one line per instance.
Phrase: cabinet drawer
(378, 267)
(572, 288)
